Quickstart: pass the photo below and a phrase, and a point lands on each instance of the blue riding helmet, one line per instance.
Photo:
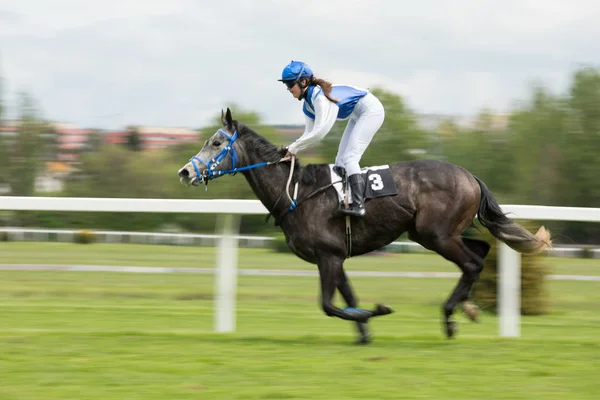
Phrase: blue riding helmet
(295, 71)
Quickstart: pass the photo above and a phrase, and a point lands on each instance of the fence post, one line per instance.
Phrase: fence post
(509, 290)
(226, 273)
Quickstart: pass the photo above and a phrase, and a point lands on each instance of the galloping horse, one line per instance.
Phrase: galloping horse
(435, 203)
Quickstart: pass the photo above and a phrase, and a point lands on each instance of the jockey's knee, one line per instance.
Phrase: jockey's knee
(352, 166)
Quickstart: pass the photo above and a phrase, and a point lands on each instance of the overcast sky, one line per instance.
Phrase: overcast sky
(178, 62)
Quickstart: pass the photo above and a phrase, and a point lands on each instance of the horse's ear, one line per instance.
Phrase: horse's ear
(226, 118)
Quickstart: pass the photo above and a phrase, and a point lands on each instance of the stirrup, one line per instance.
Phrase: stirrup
(354, 211)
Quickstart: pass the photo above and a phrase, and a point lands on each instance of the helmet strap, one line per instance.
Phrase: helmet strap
(303, 87)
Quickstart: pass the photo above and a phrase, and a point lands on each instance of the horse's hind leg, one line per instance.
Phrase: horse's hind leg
(348, 294)
(477, 246)
(453, 249)
(471, 264)
(480, 248)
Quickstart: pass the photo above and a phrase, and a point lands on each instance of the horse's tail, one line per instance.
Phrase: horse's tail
(506, 230)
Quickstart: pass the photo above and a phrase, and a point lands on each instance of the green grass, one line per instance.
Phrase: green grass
(204, 257)
(92, 335)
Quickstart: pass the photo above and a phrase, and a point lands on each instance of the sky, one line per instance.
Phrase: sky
(108, 64)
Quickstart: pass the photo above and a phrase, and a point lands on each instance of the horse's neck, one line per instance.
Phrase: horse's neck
(269, 184)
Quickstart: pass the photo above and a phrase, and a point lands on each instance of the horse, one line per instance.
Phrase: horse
(435, 202)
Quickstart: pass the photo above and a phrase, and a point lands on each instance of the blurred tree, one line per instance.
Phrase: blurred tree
(398, 139)
(49, 139)
(25, 160)
(113, 172)
(580, 164)
(1, 101)
(483, 150)
(581, 161)
(537, 138)
(133, 140)
(95, 140)
(4, 163)
(444, 139)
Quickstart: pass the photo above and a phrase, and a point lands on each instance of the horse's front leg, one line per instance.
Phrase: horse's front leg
(348, 294)
(330, 272)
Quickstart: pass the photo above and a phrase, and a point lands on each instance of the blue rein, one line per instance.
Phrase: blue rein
(229, 150)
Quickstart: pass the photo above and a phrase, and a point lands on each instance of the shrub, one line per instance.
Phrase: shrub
(84, 237)
(534, 296)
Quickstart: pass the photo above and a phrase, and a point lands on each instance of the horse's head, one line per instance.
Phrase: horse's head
(217, 157)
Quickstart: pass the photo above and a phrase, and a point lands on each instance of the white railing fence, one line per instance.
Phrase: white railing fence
(230, 210)
(22, 234)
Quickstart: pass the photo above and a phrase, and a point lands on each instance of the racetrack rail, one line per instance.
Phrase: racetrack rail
(252, 272)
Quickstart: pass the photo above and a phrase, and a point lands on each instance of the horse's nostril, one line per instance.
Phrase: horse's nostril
(184, 173)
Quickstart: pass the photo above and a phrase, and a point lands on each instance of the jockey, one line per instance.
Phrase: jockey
(326, 103)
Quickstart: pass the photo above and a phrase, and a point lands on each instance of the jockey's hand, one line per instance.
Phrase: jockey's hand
(288, 156)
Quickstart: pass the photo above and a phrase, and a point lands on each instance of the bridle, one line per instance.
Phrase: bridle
(209, 173)
(213, 163)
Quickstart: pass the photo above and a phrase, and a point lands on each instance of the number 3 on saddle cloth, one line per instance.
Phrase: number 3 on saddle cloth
(378, 182)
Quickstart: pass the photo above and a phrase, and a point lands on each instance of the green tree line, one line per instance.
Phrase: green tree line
(546, 155)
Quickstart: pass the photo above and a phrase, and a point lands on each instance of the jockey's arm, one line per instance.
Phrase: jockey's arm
(308, 124)
(325, 116)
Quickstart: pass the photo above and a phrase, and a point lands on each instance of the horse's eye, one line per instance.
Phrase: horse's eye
(216, 143)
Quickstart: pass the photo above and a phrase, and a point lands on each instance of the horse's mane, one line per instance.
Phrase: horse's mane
(269, 152)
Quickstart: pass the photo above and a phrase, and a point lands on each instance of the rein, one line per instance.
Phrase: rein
(210, 174)
(297, 203)
(213, 163)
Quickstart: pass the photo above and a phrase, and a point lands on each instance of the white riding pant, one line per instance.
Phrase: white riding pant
(364, 122)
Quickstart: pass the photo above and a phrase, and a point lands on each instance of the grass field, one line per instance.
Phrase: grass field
(95, 335)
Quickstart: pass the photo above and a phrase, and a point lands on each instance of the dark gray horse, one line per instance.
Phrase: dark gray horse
(435, 202)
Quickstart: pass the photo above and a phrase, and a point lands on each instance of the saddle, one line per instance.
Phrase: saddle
(379, 182)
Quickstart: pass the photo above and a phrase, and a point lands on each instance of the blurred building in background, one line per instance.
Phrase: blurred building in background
(153, 137)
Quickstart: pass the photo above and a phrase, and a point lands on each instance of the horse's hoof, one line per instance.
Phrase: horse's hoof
(359, 315)
(471, 310)
(451, 329)
(381, 309)
(366, 339)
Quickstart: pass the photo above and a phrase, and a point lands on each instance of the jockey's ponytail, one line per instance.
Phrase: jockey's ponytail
(325, 86)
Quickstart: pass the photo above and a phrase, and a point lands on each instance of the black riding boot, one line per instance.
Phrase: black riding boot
(357, 188)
